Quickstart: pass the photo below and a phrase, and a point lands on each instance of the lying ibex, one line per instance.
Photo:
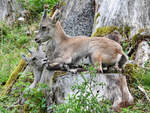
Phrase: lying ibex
(69, 49)
(37, 62)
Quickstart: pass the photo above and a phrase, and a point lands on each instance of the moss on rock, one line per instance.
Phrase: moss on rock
(57, 74)
(138, 37)
(102, 31)
(131, 69)
(134, 71)
(135, 39)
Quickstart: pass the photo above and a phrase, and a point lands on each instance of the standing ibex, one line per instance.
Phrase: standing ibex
(68, 49)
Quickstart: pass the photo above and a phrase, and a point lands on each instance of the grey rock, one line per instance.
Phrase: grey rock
(78, 17)
(143, 53)
(9, 9)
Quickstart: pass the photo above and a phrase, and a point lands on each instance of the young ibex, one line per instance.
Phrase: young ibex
(37, 62)
(69, 49)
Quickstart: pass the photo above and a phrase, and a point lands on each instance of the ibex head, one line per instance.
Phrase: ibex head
(36, 59)
(47, 27)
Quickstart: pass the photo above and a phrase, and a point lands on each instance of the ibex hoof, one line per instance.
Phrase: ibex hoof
(117, 69)
(53, 64)
(74, 71)
(100, 70)
(44, 61)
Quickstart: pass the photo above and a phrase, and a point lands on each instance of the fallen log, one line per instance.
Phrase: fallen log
(13, 77)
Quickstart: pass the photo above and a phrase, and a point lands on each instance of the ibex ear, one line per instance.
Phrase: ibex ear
(29, 51)
(56, 16)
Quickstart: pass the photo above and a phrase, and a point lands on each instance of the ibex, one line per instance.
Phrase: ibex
(100, 50)
(37, 62)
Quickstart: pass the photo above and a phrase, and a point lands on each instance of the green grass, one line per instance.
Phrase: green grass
(13, 41)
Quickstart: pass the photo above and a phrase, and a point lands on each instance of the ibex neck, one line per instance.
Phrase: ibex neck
(60, 35)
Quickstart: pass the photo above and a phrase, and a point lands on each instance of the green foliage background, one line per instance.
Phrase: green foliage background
(35, 7)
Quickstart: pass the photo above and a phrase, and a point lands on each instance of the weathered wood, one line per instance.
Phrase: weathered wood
(144, 92)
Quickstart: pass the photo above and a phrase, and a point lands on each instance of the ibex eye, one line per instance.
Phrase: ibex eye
(43, 28)
(33, 58)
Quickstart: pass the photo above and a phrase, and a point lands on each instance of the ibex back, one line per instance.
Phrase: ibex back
(71, 49)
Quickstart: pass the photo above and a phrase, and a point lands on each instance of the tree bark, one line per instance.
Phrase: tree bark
(132, 13)
(9, 9)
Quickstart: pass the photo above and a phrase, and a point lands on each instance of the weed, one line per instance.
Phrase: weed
(36, 101)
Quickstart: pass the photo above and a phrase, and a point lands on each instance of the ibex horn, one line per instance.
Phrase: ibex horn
(56, 15)
(45, 13)
(29, 51)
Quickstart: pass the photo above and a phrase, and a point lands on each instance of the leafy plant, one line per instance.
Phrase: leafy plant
(36, 101)
(84, 100)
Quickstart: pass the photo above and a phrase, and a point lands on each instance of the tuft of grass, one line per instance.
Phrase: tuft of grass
(138, 74)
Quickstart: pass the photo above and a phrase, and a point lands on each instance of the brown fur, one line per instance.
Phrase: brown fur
(100, 49)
